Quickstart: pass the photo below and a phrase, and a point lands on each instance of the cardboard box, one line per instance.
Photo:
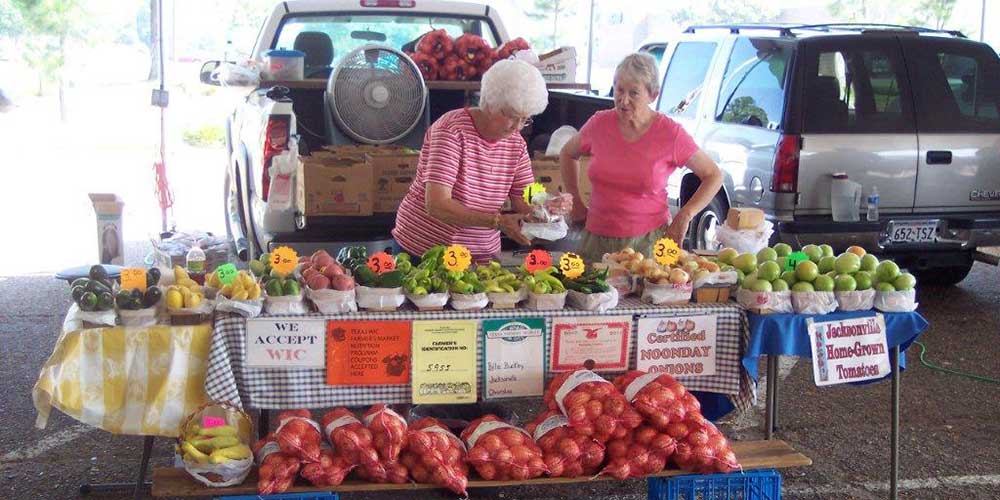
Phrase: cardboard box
(712, 293)
(558, 66)
(393, 171)
(328, 184)
(110, 242)
(744, 218)
(548, 172)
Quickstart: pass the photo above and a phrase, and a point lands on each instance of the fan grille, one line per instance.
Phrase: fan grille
(378, 95)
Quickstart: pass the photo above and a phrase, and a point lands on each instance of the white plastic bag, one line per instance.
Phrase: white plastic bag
(245, 74)
(282, 173)
(859, 300)
(620, 277)
(230, 473)
(548, 231)
(139, 317)
(286, 304)
(546, 301)
(329, 301)
(380, 299)
(814, 302)
(429, 301)
(666, 294)
(76, 317)
(718, 278)
(905, 301)
(469, 302)
(593, 301)
(245, 308)
(506, 300)
(765, 302)
(745, 240)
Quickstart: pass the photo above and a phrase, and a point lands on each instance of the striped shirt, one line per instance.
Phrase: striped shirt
(481, 175)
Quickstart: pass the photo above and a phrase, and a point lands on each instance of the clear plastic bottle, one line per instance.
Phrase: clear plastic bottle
(873, 205)
(196, 264)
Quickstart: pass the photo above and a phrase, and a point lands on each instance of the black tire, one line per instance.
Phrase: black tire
(943, 276)
(701, 232)
(229, 184)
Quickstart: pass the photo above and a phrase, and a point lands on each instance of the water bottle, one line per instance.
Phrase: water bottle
(873, 205)
(196, 264)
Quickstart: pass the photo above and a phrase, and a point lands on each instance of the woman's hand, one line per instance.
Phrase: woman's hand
(679, 227)
(579, 213)
(510, 224)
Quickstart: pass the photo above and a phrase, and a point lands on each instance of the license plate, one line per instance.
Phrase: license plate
(913, 231)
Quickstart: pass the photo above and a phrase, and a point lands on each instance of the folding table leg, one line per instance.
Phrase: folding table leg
(894, 436)
(771, 401)
(263, 425)
(138, 487)
(140, 481)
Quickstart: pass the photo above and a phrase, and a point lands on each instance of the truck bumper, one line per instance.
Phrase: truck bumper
(956, 232)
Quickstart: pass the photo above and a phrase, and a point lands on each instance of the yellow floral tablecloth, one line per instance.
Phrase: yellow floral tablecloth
(126, 380)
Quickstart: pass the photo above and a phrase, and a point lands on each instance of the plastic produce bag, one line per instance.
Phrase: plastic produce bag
(658, 397)
(380, 299)
(592, 405)
(765, 302)
(286, 304)
(566, 452)
(243, 74)
(282, 173)
(814, 302)
(77, 318)
(507, 300)
(276, 470)
(469, 302)
(593, 301)
(713, 279)
(388, 431)
(746, 240)
(352, 440)
(642, 452)
(329, 470)
(429, 301)
(859, 300)
(904, 301)
(139, 317)
(548, 231)
(666, 294)
(434, 455)
(546, 301)
(499, 451)
(328, 301)
(299, 435)
(245, 308)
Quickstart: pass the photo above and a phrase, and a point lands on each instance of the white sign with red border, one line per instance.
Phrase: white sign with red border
(680, 346)
(849, 350)
(286, 344)
(598, 343)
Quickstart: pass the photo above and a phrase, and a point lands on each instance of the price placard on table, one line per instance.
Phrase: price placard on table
(849, 349)
(571, 265)
(226, 273)
(284, 260)
(513, 357)
(666, 252)
(285, 344)
(457, 258)
(537, 259)
(681, 346)
(134, 278)
(793, 260)
(444, 362)
(381, 262)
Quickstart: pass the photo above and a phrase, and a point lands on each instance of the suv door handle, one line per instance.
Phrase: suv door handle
(939, 157)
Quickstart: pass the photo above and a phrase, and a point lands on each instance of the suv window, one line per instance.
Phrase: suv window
(682, 84)
(753, 88)
(956, 88)
(856, 90)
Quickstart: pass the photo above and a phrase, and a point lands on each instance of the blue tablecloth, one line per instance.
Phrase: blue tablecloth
(786, 334)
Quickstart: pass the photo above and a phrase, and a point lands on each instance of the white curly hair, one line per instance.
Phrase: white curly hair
(514, 85)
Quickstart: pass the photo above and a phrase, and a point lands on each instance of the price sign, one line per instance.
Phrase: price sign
(381, 262)
(444, 362)
(226, 273)
(208, 421)
(537, 260)
(531, 190)
(794, 259)
(134, 278)
(571, 265)
(284, 260)
(457, 258)
(666, 251)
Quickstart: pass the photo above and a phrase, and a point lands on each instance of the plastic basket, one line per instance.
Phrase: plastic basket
(751, 485)
(312, 495)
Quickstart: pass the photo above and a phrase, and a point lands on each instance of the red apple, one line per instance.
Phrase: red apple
(332, 270)
(319, 282)
(342, 282)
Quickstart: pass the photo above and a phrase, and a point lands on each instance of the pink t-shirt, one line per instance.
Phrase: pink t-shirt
(629, 180)
(481, 175)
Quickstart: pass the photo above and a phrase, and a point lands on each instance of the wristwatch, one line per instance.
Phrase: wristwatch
(496, 221)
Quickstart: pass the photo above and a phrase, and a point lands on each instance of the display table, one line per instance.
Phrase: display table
(228, 379)
(776, 335)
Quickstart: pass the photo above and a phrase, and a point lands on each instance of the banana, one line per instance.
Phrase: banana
(241, 295)
(238, 452)
(254, 292)
(218, 431)
(226, 290)
(194, 452)
(210, 444)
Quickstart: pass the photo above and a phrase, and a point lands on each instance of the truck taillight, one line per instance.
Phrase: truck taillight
(405, 4)
(785, 178)
(275, 142)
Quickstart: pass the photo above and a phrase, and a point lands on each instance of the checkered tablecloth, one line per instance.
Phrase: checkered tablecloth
(228, 379)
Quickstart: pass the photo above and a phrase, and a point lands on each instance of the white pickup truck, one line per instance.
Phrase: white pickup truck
(277, 114)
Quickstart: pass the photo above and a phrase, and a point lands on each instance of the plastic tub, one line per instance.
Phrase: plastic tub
(281, 64)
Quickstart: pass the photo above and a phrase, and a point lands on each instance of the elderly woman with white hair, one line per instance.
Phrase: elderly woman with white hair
(472, 161)
(634, 149)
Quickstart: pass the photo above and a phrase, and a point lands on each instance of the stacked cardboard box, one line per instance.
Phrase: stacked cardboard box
(386, 171)
(549, 173)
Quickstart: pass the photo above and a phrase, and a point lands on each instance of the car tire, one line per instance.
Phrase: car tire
(233, 202)
(943, 276)
(702, 231)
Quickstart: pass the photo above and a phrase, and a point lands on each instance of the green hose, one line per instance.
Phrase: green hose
(923, 350)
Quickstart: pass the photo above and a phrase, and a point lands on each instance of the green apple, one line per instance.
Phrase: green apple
(726, 268)
(803, 286)
(760, 285)
(767, 255)
(740, 276)
(823, 283)
(904, 282)
(782, 261)
(847, 263)
(779, 285)
(826, 264)
(745, 262)
(814, 252)
(750, 278)
(726, 255)
(789, 277)
(869, 263)
(827, 250)
(845, 283)
(863, 279)
(806, 270)
(783, 249)
(831, 274)
(769, 271)
(887, 271)
(885, 287)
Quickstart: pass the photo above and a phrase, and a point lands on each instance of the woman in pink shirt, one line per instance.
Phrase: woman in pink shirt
(634, 149)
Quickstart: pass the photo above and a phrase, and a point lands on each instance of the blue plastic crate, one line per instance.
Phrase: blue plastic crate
(312, 495)
(752, 485)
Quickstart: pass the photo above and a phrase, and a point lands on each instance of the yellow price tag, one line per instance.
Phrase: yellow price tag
(666, 251)
(457, 258)
(284, 260)
(571, 265)
(531, 190)
(134, 278)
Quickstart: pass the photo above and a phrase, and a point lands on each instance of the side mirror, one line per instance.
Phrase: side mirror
(205, 75)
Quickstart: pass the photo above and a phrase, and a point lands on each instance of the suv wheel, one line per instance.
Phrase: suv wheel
(703, 230)
(234, 211)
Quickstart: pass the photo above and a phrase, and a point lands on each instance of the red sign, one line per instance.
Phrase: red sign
(367, 352)
(537, 260)
(599, 343)
(381, 262)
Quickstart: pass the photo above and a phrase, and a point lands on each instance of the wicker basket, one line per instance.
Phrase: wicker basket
(229, 473)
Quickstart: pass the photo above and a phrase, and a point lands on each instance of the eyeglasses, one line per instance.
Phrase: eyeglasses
(525, 122)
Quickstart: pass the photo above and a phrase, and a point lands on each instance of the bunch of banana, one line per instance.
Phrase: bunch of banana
(185, 293)
(243, 287)
(214, 445)
(212, 280)
(497, 279)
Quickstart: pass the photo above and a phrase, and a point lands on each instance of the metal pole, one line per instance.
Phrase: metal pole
(771, 401)
(140, 480)
(982, 22)
(163, 111)
(894, 437)
(590, 43)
